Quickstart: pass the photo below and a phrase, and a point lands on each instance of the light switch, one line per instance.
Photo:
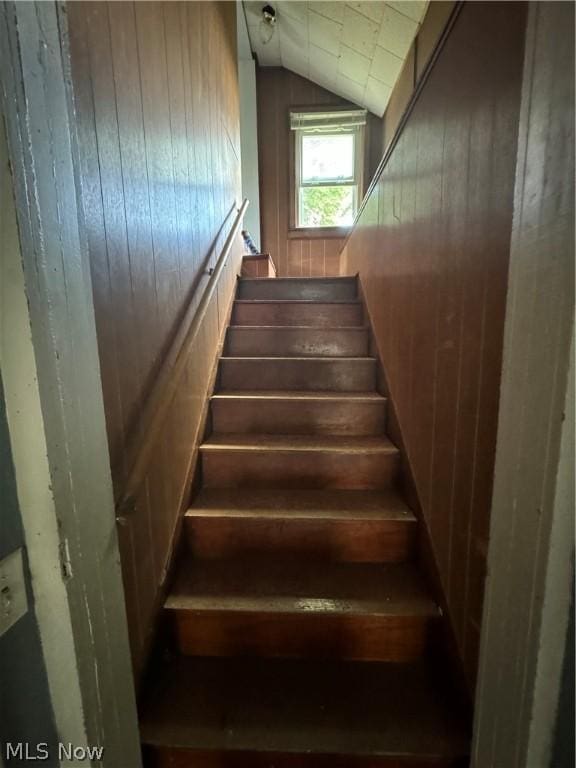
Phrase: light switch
(13, 600)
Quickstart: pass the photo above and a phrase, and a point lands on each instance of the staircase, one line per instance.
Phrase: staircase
(301, 621)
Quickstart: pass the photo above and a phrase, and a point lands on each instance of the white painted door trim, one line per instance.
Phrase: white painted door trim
(531, 552)
(38, 108)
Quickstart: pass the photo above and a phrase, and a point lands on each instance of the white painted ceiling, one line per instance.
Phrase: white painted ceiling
(355, 50)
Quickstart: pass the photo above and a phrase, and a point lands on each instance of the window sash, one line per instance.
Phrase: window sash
(299, 183)
(335, 179)
(329, 183)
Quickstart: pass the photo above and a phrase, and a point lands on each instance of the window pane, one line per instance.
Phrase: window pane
(327, 206)
(327, 158)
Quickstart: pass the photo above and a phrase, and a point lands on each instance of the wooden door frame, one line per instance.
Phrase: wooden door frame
(37, 105)
(530, 577)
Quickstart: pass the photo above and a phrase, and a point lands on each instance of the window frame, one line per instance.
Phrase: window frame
(296, 135)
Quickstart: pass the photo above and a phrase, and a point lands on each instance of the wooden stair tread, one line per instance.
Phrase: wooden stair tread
(297, 340)
(298, 504)
(333, 313)
(303, 394)
(298, 372)
(315, 288)
(343, 526)
(312, 443)
(295, 358)
(293, 328)
(301, 586)
(305, 280)
(299, 706)
(298, 411)
(308, 302)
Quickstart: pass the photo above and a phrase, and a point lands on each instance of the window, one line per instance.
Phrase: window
(328, 162)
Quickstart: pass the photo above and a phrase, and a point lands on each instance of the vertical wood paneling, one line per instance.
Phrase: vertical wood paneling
(432, 250)
(277, 91)
(114, 212)
(108, 330)
(158, 118)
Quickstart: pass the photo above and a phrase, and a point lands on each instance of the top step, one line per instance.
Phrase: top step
(298, 288)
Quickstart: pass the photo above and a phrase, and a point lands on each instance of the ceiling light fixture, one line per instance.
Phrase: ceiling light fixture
(267, 24)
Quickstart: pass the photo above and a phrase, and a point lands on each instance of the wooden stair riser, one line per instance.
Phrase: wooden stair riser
(298, 416)
(374, 541)
(314, 374)
(312, 634)
(237, 468)
(321, 315)
(298, 342)
(294, 289)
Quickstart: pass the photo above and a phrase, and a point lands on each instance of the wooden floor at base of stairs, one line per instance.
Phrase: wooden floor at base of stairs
(281, 712)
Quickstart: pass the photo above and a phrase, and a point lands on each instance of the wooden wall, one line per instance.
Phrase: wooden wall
(295, 254)
(432, 249)
(156, 92)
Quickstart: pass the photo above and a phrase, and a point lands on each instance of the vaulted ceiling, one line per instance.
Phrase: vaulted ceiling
(354, 49)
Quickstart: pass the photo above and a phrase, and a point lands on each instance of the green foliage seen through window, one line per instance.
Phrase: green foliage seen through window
(326, 206)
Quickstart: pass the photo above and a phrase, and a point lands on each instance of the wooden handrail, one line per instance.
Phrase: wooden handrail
(157, 405)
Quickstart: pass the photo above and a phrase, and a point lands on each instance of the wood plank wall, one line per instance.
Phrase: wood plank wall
(432, 249)
(277, 91)
(156, 92)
